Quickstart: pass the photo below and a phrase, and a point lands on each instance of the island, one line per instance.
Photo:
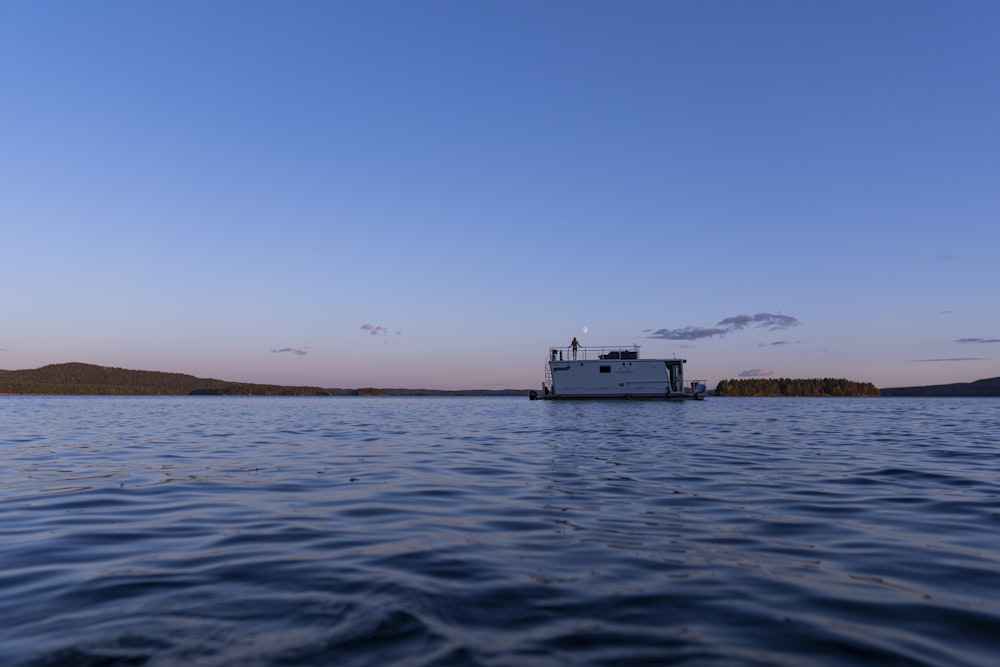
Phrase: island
(795, 387)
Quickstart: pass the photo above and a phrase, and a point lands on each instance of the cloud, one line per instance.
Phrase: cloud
(378, 330)
(922, 361)
(770, 321)
(291, 350)
(779, 342)
(374, 330)
(978, 340)
(687, 333)
(756, 373)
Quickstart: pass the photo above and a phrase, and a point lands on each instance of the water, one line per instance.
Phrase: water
(436, 531)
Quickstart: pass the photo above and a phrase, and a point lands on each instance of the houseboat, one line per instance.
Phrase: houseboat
(577, 372)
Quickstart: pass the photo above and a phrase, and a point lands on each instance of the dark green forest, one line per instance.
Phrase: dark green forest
(795, 387)
(77, 378)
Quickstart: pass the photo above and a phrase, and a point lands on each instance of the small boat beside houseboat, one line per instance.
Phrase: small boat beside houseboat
(577, 372)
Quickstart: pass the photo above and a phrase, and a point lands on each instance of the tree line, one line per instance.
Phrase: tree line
(795, 387)
(373, 391)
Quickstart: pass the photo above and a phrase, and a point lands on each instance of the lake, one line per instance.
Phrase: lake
(210, 531)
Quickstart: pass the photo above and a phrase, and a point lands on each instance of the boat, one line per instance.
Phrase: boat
(577, 372)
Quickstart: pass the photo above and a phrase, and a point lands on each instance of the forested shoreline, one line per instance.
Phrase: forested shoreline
(88, 379)
(91, 380)
(795, 387)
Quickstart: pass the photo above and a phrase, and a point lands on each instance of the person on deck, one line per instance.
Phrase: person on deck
(575, 344)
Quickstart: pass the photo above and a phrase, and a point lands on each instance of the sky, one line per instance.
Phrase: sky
(431, 194)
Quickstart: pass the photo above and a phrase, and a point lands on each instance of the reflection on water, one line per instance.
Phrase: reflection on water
(440, 531)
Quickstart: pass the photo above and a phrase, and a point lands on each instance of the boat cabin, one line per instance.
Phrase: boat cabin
(614, 372)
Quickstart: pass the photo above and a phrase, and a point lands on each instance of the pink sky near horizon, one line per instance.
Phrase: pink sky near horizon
(430, 195)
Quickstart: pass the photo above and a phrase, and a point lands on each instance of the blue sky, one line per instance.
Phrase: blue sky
(430, 194)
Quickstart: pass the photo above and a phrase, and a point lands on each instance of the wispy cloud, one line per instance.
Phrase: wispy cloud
(924, 361)
(778, 342)
(375, 330)
(978, 340)
(769, 321)
(291, 350)
(686, 333)
(756, 373)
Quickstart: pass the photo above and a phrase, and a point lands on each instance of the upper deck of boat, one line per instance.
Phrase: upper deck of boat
(604, 353)
(582, 353)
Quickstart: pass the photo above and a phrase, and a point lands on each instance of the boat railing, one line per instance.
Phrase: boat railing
(582, 353)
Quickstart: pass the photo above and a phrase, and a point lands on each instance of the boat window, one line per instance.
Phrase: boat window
(605, 369)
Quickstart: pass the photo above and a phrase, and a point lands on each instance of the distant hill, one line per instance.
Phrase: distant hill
(988, 387)
(88, 379)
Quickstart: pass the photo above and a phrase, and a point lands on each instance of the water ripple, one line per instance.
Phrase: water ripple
(217, 531)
